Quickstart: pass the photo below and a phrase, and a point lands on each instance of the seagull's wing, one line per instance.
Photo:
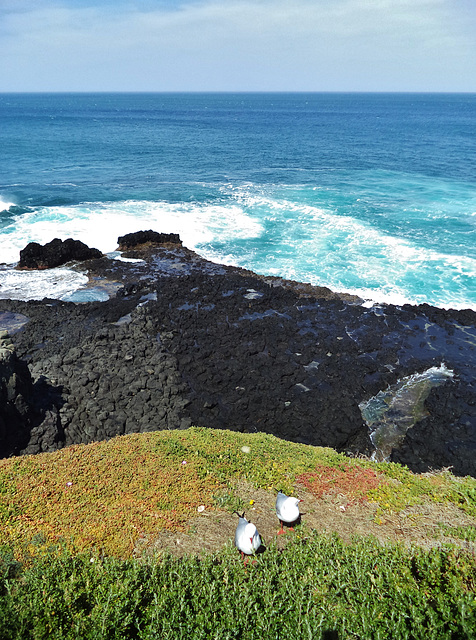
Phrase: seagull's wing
(280, 500)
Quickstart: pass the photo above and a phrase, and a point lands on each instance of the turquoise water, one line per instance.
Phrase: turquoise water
(374, 194)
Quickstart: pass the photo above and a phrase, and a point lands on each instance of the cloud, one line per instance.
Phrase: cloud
(238, 45)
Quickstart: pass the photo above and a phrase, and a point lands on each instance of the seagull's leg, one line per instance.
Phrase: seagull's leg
(282, 528)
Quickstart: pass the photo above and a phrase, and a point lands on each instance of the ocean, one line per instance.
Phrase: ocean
(372, 194)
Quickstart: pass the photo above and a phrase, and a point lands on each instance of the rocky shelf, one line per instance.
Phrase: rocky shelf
(182, 341)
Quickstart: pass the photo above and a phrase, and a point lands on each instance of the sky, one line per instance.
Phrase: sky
(238, 45)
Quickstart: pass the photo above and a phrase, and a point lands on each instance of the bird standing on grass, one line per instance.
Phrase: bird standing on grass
(287, 509)
(247, 539)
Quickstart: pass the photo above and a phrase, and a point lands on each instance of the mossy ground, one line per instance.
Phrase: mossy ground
(143, 492)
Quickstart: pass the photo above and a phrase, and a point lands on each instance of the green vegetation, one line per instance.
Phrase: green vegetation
(70, 520)
(107, 494)
(463, 533)
(317, 584)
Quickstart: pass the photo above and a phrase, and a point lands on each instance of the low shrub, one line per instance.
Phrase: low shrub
(317, 587)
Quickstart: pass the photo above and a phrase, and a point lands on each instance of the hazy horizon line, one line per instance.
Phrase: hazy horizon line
(240, 91)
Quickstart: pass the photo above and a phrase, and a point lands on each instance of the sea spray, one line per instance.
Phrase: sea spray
(369, 194)
(392, 412)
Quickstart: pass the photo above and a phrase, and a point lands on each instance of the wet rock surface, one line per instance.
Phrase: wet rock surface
(186, 341)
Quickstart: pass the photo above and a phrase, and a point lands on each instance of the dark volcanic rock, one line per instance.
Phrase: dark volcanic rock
(143, 237)
(16, 388)
(190, 342)
(450, 429)
(55, 253)
(110, 373)
(29, 419)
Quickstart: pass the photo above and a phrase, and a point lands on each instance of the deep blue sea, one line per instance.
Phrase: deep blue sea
(373, 194)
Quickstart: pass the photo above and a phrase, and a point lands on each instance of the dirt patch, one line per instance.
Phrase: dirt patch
(426, 525)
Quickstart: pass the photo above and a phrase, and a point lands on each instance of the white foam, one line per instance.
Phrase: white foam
(292, 240)
(100, 224)
(36, 285)
(5, 205)
(348, 255)
(117, 255)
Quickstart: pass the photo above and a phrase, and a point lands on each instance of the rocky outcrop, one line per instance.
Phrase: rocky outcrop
(55, 253)
(118, 380)
(450, 432)
(131, 240)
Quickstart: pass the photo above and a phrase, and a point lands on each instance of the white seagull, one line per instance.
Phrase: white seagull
(287, 509)
(247, 538)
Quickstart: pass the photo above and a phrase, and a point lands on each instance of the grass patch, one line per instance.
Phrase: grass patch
(107, 495)
(407, 488)
(317, 587)
(462, 533)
